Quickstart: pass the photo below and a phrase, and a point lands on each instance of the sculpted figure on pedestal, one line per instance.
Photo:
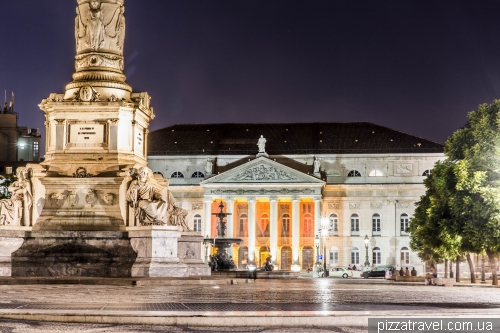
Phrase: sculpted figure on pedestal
(150, 203)
(262, 144)
(99, 26)
(317, 165)
(150, 207)
(16, 211)
(209, 166)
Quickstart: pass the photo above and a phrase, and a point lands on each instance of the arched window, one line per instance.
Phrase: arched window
(354, 173)
(197, 223)
(355, 256)
(405, 256)
(354, 224)
(404, 224)
(334, 256)
(177, 174)
(285, 225)
(158, 173)
(307, 230)
(198, 174)
(375, 173)
(377, 256)
(334, 224)
(376, 224)
(242, 225)
(426, 173)
(264, 225)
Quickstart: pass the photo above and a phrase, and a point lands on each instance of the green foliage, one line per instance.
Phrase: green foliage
(5, 182)
(460, 211)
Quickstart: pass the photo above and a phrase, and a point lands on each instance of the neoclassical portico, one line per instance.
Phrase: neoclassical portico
(274, 209)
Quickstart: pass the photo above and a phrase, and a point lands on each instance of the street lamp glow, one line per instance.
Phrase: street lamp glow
(367, 262)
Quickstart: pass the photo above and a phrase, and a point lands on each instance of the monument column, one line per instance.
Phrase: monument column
(273, 229)
(295, 235)
(230, 222)
(251, 231)
(207, 232)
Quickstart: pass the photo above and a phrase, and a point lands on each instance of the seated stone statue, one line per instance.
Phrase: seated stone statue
(150, 208)
(16, 210)
(152, 203)
(178, 217)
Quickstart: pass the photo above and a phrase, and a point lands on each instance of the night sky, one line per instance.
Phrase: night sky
(415, 66)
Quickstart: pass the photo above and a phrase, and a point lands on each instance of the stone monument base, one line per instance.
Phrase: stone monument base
(74, 253)
(189, 250)
(10, 241)
(156, 248)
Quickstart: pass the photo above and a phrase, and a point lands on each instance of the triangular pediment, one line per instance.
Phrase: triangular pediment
(262, 170)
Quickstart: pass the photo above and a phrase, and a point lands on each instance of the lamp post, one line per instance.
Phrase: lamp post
(367, 262)
(207, 244)
(316, 243)
(324, 233)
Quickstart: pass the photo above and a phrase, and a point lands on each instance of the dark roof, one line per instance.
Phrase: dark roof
(283, 138)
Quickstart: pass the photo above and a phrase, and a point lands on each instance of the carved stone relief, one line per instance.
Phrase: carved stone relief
(354, 205)
(334, 205)
(264, 191)
(56, 198)
(16, 211)
(109, 198)
(81, 172)
(197, 205)
(73, 198)
(376, 205)
(91, 197)
(404, 205)
(99, 60)
(86, 94)
(404, 168)
(262, 172)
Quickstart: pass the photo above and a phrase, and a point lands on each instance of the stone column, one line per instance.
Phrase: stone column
(273, 229)
(317, 217)
(230, 222)
(208, 218)
(295, 235)
(251, 231)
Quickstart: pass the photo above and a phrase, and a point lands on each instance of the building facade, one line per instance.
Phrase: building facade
(18, 144)
(285, 184)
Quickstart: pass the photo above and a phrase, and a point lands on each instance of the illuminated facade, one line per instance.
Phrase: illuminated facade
(342, 181)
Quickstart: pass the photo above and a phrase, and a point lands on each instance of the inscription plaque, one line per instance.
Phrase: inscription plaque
(86, 134)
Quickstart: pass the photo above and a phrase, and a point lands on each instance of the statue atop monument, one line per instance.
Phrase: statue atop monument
(100, 25)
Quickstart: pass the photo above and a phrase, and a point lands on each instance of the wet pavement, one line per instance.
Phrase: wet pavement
(11, 326)
(263, 293)
(332, 305)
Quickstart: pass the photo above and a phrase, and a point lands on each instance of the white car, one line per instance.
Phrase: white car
(340, 272)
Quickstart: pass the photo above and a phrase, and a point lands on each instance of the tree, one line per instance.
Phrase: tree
(431, 235)
(5, 182)
(460, 211)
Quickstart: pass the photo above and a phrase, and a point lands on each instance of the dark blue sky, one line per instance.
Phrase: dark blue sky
(416, 66)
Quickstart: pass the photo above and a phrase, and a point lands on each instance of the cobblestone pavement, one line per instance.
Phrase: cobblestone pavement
(12, 326)
(301, 295)
(280, 295)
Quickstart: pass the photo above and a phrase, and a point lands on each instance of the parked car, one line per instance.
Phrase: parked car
(340, 272)
(378, 271)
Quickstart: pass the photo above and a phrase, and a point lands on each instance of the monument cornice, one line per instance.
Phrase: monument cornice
(119, 2)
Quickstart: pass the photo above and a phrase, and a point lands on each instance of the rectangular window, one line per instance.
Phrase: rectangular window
(355, 258)
(377, 258)
(334, 258)
(36, 153)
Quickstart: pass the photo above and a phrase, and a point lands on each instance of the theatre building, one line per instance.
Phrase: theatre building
(286, 183)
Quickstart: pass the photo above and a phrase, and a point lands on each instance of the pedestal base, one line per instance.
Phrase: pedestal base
(10, 241)
(156, 248)
(74, 253)
(189, 253)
